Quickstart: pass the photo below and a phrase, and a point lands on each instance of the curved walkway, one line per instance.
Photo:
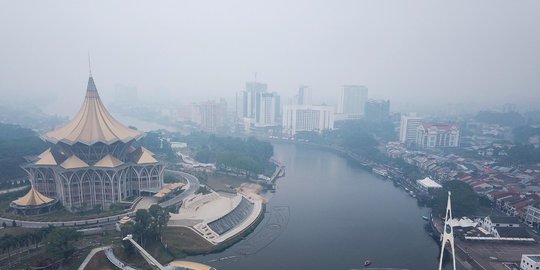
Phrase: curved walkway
(118, 263)
(90, 256)
(192, 187)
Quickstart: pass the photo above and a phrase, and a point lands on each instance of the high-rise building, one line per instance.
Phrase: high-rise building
(210, 115)
(248, 101)
(307, 118)
(437, 136)
(304, 95)
(408, 128)
(377, 110)
(352, 100)
(241, 105)
(255, 104)
(92, 160)
(268, 103)
(254, 91)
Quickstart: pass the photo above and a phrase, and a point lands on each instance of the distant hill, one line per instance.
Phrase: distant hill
(15, 143)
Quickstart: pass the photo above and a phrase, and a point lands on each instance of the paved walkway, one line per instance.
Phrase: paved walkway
(90, 255)
(118, 263)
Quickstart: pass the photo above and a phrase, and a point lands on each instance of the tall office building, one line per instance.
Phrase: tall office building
(268, 110)
(304, 95)
(352, 100)
(248, 101)
(258, 106)
(408, 128)
(377, 110)
(307, 118)
(254, 91)
(210, 115)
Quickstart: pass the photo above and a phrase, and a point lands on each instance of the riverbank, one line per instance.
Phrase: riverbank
(182, 241)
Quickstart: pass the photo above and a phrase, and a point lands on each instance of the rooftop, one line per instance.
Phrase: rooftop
(428, 183)
(33, 198)
(534, 257)
(92, 124)
(504, 219)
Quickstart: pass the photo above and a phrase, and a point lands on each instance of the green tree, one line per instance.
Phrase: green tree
(126, 229)
(465, 201)
(143, 221)
(160, 218)
(60, 242)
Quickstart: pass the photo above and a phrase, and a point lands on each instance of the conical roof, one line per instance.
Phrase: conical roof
(32, 198)
(92, 124)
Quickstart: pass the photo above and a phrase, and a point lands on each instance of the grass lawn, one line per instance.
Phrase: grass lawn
(181, 241)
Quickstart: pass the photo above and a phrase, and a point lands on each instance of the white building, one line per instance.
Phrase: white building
(435, 136)
(427, 184)
(307, 118)
(210, 115)
(408, 128)
(530, 261)
(268, 110)
(352, 101)
(257, 106)
(491, 224)
(532, 217)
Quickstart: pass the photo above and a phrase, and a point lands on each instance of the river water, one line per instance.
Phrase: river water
(329, 213)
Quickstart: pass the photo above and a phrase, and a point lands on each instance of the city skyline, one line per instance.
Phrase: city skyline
(185, 56)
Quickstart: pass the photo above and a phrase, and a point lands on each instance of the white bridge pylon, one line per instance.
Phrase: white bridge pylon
(151, 260)
(448, 234)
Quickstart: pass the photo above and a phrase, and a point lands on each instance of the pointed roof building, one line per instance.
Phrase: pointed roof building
(92, 124)
(73, 162)
(108, 161)
(33, 198)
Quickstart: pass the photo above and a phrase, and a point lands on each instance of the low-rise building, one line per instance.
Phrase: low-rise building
(491, 224)
(532, 216)
(307, 118)
(435, 135)
(428, 184)
(530, 261)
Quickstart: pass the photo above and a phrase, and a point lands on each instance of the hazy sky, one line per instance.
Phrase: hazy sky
(406, 51)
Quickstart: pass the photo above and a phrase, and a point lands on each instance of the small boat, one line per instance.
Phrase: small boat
(425, 218)
(368, 262)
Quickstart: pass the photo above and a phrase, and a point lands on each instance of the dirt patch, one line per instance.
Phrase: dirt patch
(251, 190)
(223, 182)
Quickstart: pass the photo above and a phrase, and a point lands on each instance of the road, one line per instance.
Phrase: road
(192, 187)
(4, 191)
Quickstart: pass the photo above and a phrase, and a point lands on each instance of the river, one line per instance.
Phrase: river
(332, 214)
